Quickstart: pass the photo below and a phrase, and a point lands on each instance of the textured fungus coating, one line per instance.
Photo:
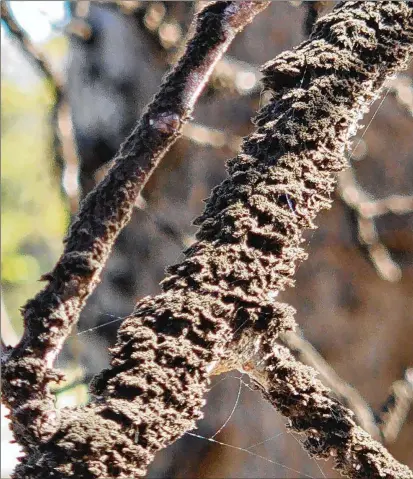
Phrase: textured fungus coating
(49, 317)
(329, 427)
(249, 243)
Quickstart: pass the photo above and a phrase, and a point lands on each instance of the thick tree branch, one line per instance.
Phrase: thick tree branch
(348, 396)
(384, 426)
(249, 243)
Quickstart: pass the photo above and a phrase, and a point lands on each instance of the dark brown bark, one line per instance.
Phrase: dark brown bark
(50, 316)
(249, 244)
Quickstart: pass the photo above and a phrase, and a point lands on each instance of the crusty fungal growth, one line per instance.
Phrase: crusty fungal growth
(50, 316)
(329, 427)
(248, 246)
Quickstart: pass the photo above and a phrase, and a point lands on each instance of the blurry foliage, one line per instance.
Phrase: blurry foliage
(33, 218)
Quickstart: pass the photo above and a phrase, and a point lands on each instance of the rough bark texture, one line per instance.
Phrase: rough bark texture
(248, 246)
(50, 316)
(329, 427)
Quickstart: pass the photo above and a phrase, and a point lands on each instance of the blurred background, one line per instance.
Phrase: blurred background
(75, 77)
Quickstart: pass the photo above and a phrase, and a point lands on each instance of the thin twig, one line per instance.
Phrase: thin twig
(402, 88)
(65, 158)
(56, 87)
(9, 337)
(396, 408)
(33, 53)
(203, 135)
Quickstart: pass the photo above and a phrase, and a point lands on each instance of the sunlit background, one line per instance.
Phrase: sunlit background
(33, 219)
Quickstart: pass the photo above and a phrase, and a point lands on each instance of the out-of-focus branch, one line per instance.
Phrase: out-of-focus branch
(65, 157)
(206, 136)
(313, 10)
(402, 88)
(50, 316)
(396, 408)
(32, 52)
(366, 211)
(8, 334)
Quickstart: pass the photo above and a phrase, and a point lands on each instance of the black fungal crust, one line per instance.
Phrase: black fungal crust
(249, 242)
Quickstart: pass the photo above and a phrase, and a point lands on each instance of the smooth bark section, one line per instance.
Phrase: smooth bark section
(50, 316)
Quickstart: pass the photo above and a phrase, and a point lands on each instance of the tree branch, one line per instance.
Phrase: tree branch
(402, 88)
(395, 410)
(384, 426)
(348, 396)
(329, 427)
(367, 210)
(65, 159)
(49, 317)
(249, 244)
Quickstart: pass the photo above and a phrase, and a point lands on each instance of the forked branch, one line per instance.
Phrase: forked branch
(249, 243)
(50, 316)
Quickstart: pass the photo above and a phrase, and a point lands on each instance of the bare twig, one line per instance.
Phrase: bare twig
(395, 410)
(366, 211)
(53, 79)
(204, 135)
(33, 53)
(402, 88)
(9, 336)
(49, 317)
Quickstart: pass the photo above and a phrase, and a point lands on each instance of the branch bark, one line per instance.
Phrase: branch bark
(50, 316)
(329, 427)
(249, 244)
(384, 425)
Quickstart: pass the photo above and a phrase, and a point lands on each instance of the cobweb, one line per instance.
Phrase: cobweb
(240, 436)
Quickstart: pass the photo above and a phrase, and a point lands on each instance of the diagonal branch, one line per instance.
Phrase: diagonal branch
(328, 426)
(348, 396)
(249, 243)
(31, 51)
(402, 88)
(50, 316)
(384, 426)
(367, 210)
